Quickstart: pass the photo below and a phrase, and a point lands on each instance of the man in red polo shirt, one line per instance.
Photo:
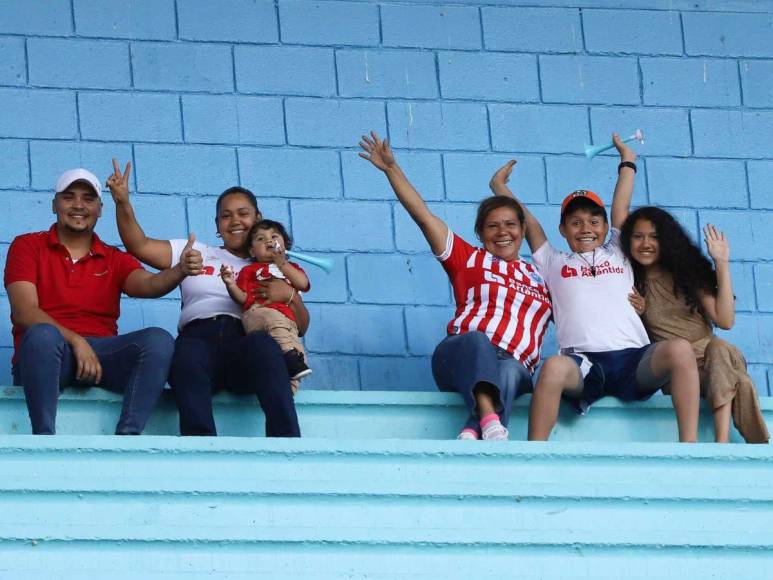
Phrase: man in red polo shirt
(64, 286)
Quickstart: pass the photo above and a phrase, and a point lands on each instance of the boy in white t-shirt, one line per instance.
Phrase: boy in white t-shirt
(604, 348)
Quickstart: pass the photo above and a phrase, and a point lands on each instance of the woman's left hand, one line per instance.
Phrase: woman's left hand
(716, 244)
(273, 291)
(637, 301)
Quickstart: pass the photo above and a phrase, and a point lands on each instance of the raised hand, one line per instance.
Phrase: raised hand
(378, 152)
(502, 176)
(716, 244)
(626, 153)
(191, 262)
(119, 183)
(637, 301)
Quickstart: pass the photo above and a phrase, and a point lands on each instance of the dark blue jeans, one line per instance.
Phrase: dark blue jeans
(136, 364)
(214, 354)
(461, 362)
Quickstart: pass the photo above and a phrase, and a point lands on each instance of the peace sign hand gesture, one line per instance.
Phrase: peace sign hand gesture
(119, 183)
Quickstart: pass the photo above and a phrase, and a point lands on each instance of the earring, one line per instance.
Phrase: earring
(217, 235)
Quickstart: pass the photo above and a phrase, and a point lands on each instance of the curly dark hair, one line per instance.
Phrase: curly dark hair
(691, 270)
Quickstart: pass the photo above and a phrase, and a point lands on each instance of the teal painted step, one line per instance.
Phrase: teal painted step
(366, 415)
(166, 507)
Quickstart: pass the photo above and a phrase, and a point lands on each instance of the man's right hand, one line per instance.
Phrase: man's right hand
(88, 368)
(119, 183)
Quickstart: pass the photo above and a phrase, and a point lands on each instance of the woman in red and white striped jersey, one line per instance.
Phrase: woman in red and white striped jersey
(502, 303)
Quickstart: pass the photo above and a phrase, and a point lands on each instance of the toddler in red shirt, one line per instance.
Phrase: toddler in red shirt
(268, 242)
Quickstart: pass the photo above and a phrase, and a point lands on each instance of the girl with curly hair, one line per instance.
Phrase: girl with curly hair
(684, 296)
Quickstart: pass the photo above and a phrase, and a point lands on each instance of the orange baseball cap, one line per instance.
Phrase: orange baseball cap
(586, 193)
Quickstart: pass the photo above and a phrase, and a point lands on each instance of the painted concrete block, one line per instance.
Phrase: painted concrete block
(91, 64)
(115, 116)
(426, 327)
(688, 219)
(632, 31)
(38, 114)
(436, 125)
(231, 21)
(760, 183)
(397, 374)
(43, 17)
(490, 77)
(589, 79)
(763, 277)
(161, 216)
(162, 314)
(697, 183)
(459, 217)
(406, 74)
(6, 338)
(666, 131)
(16, 218)
(468, 175)
(334, 22)
(753, 334)
(186, 169)
(748, 232)
(723, 34)
(332, 373)
(367, 226)
(356, 329)
(13, 62)
(397, 279)
(743, 133)
(330, 123)
(49, 159)
(325, 287)
(430, 26)
(757, 83)
(14, 164)
(135, 19)
(537, 129)
(363, 181)
(568, 174)
(743, 283)
(182, 67)
(263, 69)
(277, 172)
(696, 82)
(532, 29)
(233, 119)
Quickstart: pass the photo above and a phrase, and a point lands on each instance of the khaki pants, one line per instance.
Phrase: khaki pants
(283, 330)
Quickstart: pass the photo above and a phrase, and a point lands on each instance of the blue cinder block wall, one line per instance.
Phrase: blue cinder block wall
(272, 95)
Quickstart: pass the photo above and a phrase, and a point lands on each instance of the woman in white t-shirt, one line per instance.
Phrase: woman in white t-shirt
(212, 353)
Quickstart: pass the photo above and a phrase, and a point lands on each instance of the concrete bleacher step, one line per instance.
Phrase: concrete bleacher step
(366, 415)
(165, 507)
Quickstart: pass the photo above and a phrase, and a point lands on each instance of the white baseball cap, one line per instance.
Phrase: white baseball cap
(69, 177)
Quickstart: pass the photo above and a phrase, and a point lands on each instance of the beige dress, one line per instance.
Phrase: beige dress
(722, 367)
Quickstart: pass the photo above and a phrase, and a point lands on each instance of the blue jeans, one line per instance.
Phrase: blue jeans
(463, 361)
(214, 354)
(136, 364)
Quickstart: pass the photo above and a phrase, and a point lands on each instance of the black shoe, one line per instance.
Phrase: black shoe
(296, 365)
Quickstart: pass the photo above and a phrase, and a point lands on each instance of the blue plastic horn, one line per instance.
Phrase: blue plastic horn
(592, 150)
(324, 263)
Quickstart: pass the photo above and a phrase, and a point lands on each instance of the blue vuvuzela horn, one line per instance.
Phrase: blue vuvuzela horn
(324, 263)
(592, 150)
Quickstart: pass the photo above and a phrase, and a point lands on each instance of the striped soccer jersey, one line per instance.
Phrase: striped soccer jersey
(508, 301)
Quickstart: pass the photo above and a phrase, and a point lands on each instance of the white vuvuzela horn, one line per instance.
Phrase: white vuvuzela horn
(592, 150)
(325, 263)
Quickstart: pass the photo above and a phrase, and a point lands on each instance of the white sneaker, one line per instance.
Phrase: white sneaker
(495, 431)
(466, 436)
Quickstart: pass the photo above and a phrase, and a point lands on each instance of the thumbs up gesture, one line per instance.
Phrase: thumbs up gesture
(191, 262)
